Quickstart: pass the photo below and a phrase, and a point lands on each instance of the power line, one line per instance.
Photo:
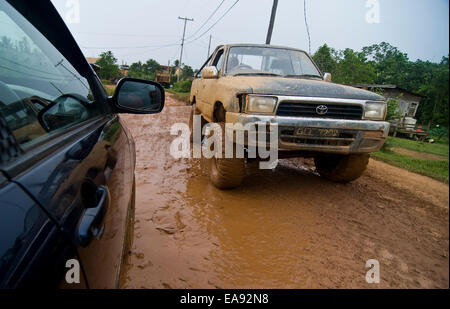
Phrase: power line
(150, 50)
(127, 47)
(307, 27)
(206, 21)
(124, 34)
(214, 23)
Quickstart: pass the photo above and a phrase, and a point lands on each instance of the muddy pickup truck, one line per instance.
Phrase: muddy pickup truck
(336, 125)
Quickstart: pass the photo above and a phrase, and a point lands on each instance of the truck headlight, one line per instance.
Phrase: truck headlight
(261, 104)
(375, 110)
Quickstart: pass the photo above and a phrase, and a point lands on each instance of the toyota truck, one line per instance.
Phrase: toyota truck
(337, 125)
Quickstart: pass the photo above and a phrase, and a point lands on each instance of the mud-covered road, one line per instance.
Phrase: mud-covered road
(286, 228)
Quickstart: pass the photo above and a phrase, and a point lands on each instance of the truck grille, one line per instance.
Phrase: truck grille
(335, 111)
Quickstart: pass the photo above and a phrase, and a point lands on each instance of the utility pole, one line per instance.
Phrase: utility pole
(272, 20)
(209, 46)
(182, 43)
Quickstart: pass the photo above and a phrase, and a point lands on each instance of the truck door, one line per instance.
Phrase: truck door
(208, 87)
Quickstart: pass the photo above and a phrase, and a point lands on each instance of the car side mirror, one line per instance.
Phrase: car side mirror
(327, 77)
(210, 72)
(63, 111)
(138, 96)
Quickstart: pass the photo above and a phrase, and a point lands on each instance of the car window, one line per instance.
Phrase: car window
(266, 60)
(40, 91)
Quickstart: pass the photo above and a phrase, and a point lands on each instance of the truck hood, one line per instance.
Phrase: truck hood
(302, 87)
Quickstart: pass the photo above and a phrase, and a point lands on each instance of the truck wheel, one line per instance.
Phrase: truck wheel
(226, 173)
(342, 168)
(194, 111)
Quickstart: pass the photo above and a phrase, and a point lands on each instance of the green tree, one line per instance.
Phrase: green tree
(353, 68)
(325, 60)
(386, 64)
(151, 66)
(108, 68)
(434, 109)
(137, 70)
(391, 65)
(187, 72)
(144, 70)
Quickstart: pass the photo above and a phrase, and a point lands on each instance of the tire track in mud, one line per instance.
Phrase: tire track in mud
(286, 228)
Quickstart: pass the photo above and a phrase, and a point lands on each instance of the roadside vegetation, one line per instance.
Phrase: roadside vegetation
(181, 90)
(386, 64)
(110, 71)
(437, 168)
(108, 87)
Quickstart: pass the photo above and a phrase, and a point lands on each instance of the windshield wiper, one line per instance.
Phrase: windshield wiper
(303, 75)
(258, 73)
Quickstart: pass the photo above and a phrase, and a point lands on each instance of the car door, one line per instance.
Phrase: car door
(33, 250)
(208, 86)
(76, 159)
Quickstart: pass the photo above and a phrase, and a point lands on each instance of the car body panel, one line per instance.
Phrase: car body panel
(102, 157)
(32, 249)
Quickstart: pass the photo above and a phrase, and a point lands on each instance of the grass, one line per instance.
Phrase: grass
(437, 169)
(440, 149)
(181, 96)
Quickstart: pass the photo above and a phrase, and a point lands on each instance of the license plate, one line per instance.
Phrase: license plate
(317, 132)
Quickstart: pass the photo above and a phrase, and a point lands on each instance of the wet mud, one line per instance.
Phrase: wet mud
(283, 228)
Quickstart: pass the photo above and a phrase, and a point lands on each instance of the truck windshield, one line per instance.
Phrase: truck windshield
(255, 60)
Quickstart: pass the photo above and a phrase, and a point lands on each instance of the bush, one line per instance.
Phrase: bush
(393, 110)
(438, 132)
(183, 86)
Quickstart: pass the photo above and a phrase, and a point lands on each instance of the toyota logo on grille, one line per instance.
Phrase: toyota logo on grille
(321, 109)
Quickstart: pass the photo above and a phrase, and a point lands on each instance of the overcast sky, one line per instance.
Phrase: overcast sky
(141, 29)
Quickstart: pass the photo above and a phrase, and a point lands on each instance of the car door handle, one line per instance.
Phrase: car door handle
(91, 225)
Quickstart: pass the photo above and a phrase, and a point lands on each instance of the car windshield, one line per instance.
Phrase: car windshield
(255, 60)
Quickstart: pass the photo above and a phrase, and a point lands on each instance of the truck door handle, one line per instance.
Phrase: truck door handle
(91, 225)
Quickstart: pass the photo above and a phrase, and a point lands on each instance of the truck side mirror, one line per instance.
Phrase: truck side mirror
(210, 72)
(327, 77)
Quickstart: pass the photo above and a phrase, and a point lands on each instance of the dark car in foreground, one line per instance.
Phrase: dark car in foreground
(66, 160)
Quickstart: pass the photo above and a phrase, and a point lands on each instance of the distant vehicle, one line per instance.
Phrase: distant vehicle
(337, 125)
(163, 77)
(67, 187)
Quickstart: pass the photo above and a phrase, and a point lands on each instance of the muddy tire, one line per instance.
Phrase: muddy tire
(342, 168)
(194, 111)
(226, 173)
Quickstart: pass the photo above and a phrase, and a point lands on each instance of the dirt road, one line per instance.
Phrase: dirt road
(286, 228)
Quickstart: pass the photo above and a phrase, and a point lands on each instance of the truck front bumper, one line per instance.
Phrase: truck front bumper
(317, 134)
